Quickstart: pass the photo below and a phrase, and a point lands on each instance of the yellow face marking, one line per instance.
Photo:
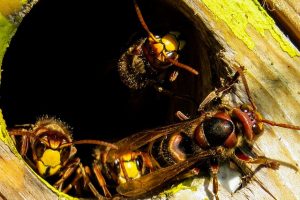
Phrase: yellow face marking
(170, 42)
(50, 159)
(260, 124)
(54, 144)
(41, 167)
(157, 48)
(130, 166)
(54, 170)
(131, 169)
(127, 157)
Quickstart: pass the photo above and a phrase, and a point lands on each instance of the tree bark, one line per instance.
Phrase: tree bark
(237, 32)
(242, 33)
(18, 181)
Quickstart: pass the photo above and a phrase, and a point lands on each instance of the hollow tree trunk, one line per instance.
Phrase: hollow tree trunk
(238, 32)
(242, 32)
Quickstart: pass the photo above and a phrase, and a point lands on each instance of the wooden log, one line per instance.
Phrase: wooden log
(287, 14)
(241, 32)
(18, 181)
(237, 32)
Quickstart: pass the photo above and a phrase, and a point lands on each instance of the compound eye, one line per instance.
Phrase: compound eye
(171, 54)
(246, 108)
(255, 117)
(40, 148)
(170, 42)
(139, 162)
(116, 166)
(181, 44)
(65, 154)
(259, 126)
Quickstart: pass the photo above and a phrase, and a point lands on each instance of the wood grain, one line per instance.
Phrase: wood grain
(272, 71)
(273, 75)
(17, 179)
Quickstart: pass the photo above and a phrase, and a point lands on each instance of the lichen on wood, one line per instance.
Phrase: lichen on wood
(246, 35)
(242, 33)
(239, 15)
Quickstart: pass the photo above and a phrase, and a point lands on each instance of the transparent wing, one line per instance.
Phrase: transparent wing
(140, 139)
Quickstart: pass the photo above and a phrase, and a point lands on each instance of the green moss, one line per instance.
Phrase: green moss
(239, 14)
(5, 137)
(7, 30)
(189, 184)
(61, 195)
(179, 187)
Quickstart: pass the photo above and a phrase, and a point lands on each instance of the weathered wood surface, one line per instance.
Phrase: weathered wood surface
(287, 13)
(18, 181)
(273, 73)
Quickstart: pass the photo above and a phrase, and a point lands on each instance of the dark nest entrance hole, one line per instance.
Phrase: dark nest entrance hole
(62, 62)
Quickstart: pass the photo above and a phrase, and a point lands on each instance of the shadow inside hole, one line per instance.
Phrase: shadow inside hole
(63, 62)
